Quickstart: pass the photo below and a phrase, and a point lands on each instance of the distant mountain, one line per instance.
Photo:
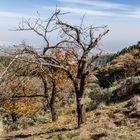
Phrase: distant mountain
(103, 59)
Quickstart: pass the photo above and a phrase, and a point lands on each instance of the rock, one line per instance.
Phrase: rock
(101, 105)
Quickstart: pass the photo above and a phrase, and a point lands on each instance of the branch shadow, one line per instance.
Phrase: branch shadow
(62, 130)
(98, 136)
(18, 136)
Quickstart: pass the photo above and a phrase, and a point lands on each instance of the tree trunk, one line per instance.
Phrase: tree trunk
(80, 89)
(52, 104)
(81, 113)
(46, 96)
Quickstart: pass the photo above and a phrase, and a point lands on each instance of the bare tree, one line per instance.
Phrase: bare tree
(79, 41)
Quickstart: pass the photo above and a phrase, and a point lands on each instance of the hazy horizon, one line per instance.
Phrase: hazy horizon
(122, 18)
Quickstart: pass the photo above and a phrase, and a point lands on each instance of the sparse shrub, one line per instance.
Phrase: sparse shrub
(120, 90)
(43, 118)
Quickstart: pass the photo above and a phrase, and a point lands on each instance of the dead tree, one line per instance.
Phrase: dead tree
(83, 42)
(79, 40)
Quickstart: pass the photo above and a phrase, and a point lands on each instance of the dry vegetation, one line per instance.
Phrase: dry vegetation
(105, 123)
(60, 93)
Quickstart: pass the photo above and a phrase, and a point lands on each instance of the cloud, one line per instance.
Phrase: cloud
(127, 14)
(98, 4)
(81, 11)
(86, 11)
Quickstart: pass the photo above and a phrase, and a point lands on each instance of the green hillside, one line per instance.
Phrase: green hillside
(123, 64)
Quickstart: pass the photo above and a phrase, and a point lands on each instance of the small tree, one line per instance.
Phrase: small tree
(25, 67)
(12, 102)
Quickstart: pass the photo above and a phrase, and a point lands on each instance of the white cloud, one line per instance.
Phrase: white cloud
(80, 11)
(86, 11)
(98, 4)
(135, 13)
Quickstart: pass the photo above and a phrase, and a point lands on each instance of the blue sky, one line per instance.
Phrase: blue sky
(121, 16)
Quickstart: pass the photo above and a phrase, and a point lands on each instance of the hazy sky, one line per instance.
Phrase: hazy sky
(121, 16)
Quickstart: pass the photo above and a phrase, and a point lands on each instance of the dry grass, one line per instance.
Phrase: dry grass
(101, 124)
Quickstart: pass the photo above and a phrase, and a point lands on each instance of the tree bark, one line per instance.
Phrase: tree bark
(46, 96)
(81, 113)
(52, 104)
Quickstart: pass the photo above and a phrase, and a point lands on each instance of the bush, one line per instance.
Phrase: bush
(119, 91)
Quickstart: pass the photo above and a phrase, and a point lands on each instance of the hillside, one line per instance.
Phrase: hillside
(112, 103)
(123, 64)
(105, 123)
